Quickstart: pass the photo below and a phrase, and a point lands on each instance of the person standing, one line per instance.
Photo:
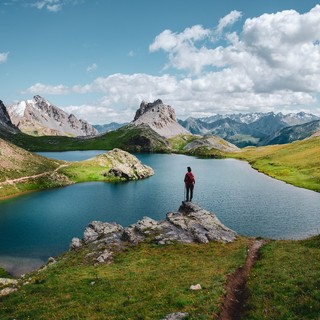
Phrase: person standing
(189, 182)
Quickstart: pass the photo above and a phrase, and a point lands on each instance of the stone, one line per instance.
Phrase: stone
(176, 316)
(75, 243)
(52, 260)
(124, 165)
(105, 256)
(189, 224)
(6, 291)
(7, 281)
(195, 287)
(98, 229)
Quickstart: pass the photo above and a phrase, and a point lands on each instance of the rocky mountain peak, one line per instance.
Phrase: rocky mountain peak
(5, 122)
(40, 117)
(160, 117)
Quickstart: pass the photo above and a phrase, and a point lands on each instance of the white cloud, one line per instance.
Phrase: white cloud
(228, 20)
(3, 56)
(272, 64)
(50, 5)
(278, 51)
(92, 67)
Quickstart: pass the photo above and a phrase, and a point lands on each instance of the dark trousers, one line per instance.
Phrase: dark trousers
(189, 190)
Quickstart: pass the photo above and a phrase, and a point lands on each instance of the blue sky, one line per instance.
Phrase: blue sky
(99, 59)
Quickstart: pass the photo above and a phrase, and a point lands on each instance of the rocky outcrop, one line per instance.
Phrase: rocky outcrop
(212, 142)
(5, 122)
(39, 117)
(189, 224)
(160, 117)
(123, 165)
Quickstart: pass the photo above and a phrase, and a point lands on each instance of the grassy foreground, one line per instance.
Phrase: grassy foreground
(144, 282)
(285, 282)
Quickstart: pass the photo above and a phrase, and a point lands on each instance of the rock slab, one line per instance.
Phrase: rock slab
(190, 224)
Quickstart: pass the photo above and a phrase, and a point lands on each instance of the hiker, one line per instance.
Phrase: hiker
(189, 182)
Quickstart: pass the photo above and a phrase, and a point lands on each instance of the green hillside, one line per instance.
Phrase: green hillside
(131, 138)
(297, 163)
(22, 171)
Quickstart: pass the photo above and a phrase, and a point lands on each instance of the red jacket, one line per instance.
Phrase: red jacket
(189, 179)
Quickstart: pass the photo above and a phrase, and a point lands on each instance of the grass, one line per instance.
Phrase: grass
(285, 283)
(297, 163)
(130, 138)
(144, 282)
(178, 142)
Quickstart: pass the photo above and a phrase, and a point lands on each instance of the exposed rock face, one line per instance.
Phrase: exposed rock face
(124, 165)
(160, 117)
(212, 142)
(190, 224)
(40, 117)
(5, 122)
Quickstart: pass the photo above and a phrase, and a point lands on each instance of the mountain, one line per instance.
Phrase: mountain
(267, 125)
(211, 142)
(108, 127)
(160, 117)
(6, 126)
(293, 119)
(290, 119)
(293, 133)
(39, 117)
(16, 162)
(245, 129)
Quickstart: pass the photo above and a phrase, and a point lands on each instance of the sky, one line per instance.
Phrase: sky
(99, 59)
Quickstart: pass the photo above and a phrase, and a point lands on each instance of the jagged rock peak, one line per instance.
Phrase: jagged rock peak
(160, 117)
(5, 121)
(146, 106)
(39, 117)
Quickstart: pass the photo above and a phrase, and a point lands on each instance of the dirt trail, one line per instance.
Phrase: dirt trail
(237, 293)
(12, 181)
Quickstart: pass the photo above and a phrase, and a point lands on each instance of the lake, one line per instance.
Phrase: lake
(38, 225)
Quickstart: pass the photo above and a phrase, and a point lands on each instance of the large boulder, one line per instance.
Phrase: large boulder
(189, 224)
(124, 165)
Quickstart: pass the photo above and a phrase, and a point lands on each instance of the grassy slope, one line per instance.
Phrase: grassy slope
(16, 163)
(297, 163)
(144, 282)
(130, 138)
(285, 282)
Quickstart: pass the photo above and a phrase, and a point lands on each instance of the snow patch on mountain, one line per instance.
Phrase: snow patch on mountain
(39, 117)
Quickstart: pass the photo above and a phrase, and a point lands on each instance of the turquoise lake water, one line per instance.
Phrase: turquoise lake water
(38, 225)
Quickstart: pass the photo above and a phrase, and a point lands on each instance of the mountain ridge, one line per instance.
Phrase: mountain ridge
(247, 129)
(40, 117)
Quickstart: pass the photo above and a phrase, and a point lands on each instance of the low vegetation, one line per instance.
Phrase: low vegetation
(130, 138)
(145, 282)
(22, 171)
(297, 163)
(284, 283)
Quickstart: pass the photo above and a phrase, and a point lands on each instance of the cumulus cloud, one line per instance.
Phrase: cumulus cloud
(3, 56)
(275, 51)
(271, 64)
(228, 20)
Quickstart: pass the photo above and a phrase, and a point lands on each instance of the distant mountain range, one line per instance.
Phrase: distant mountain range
(103, 128)
(251, 128)
(39, 117)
